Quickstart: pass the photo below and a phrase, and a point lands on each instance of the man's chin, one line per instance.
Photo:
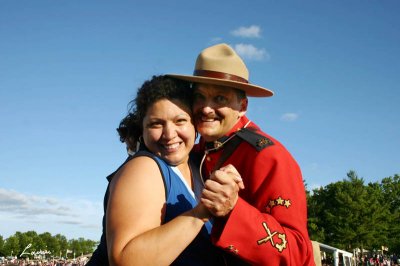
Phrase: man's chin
(208, 134)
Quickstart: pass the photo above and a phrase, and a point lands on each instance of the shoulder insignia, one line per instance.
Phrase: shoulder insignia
(255, 139)
(270, 238)
(277, 202)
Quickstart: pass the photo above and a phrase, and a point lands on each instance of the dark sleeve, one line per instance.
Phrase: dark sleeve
(100, 255)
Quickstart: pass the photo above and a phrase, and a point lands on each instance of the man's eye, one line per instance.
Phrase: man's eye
(220, 99)
(181, 121)
(198, 97)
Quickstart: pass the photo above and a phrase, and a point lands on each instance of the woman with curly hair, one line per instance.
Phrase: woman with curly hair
(154, 215)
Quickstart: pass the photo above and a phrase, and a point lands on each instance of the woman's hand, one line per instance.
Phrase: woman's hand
(221, 191)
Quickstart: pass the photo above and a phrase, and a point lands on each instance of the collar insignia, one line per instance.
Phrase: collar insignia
(217, 144)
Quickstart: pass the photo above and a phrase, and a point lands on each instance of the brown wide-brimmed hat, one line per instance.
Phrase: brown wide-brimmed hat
(221, 65)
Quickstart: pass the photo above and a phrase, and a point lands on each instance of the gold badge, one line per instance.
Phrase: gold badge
(271, 203)
(281, 246)
(287, 203)
(278, 202)
(270, 238)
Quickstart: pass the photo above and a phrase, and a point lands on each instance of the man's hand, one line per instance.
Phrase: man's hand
(221, 191)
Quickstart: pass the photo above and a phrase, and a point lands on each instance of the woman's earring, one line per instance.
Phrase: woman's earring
(137, 146)
(138, 143)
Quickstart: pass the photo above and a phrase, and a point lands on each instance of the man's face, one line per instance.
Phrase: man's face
(216, 110)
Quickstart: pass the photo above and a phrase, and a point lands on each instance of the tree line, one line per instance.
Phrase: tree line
(350, 214)
(30, 244)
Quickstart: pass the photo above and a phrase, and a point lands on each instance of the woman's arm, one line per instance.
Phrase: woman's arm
(135, 211)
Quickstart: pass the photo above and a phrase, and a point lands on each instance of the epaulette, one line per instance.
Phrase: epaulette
(255, 139)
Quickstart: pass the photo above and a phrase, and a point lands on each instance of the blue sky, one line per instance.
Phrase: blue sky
(68, 69)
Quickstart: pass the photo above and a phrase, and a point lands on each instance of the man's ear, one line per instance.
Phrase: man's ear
(243, 106)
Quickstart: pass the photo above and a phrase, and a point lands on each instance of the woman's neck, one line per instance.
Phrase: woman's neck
(184, 168)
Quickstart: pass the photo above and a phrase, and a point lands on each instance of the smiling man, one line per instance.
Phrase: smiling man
(266, 222)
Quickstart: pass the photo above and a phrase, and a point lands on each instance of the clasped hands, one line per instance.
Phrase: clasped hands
(221, 191)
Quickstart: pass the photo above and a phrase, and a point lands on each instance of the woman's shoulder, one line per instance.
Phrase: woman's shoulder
(148, 155)
(143, 161)
(139, 174)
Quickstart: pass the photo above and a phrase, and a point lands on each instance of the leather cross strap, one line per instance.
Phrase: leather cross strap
(229, 148)
(219, 75)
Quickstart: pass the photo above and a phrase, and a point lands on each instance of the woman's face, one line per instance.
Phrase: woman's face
(168, 131)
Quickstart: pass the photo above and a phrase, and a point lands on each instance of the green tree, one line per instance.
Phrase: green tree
(88, 246)
(62, 242)
(30, 241)
(11, 246)
(391, 193)
(24, 240)
(81, 246)
(2, 246)
(75, 246)
(350, 214)
(378, 218)
(51, 243)
(315, 228)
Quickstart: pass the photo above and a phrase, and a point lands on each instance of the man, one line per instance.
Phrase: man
(266, 222)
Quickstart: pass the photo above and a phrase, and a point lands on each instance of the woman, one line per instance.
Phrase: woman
(153, 215)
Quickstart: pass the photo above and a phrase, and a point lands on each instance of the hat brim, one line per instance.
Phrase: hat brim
(250, 89)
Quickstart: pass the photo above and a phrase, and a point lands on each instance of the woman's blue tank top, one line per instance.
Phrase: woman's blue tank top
(179, 199)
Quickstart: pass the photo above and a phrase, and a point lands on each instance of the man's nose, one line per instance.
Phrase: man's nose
(208, 106)
(207, 109)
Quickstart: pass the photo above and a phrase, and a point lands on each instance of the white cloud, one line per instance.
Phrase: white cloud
(216, 40)
(30, 205)
(289, 117)
(24, 212)
(249, 32)
(250, 52)
(52, 201)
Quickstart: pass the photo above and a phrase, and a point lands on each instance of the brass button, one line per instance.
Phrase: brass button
(232, 249)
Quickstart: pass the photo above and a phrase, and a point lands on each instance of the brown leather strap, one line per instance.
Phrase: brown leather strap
(219, 75)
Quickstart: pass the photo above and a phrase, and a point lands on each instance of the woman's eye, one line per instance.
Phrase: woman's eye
(155, 124)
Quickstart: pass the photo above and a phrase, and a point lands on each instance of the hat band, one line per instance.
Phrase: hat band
(219, 75)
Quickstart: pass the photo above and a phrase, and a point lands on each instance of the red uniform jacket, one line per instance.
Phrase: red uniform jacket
(268, 225)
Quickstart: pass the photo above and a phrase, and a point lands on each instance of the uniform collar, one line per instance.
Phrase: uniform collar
(216, 144)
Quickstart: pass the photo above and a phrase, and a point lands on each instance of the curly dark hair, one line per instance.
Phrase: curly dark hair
(157, 88)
